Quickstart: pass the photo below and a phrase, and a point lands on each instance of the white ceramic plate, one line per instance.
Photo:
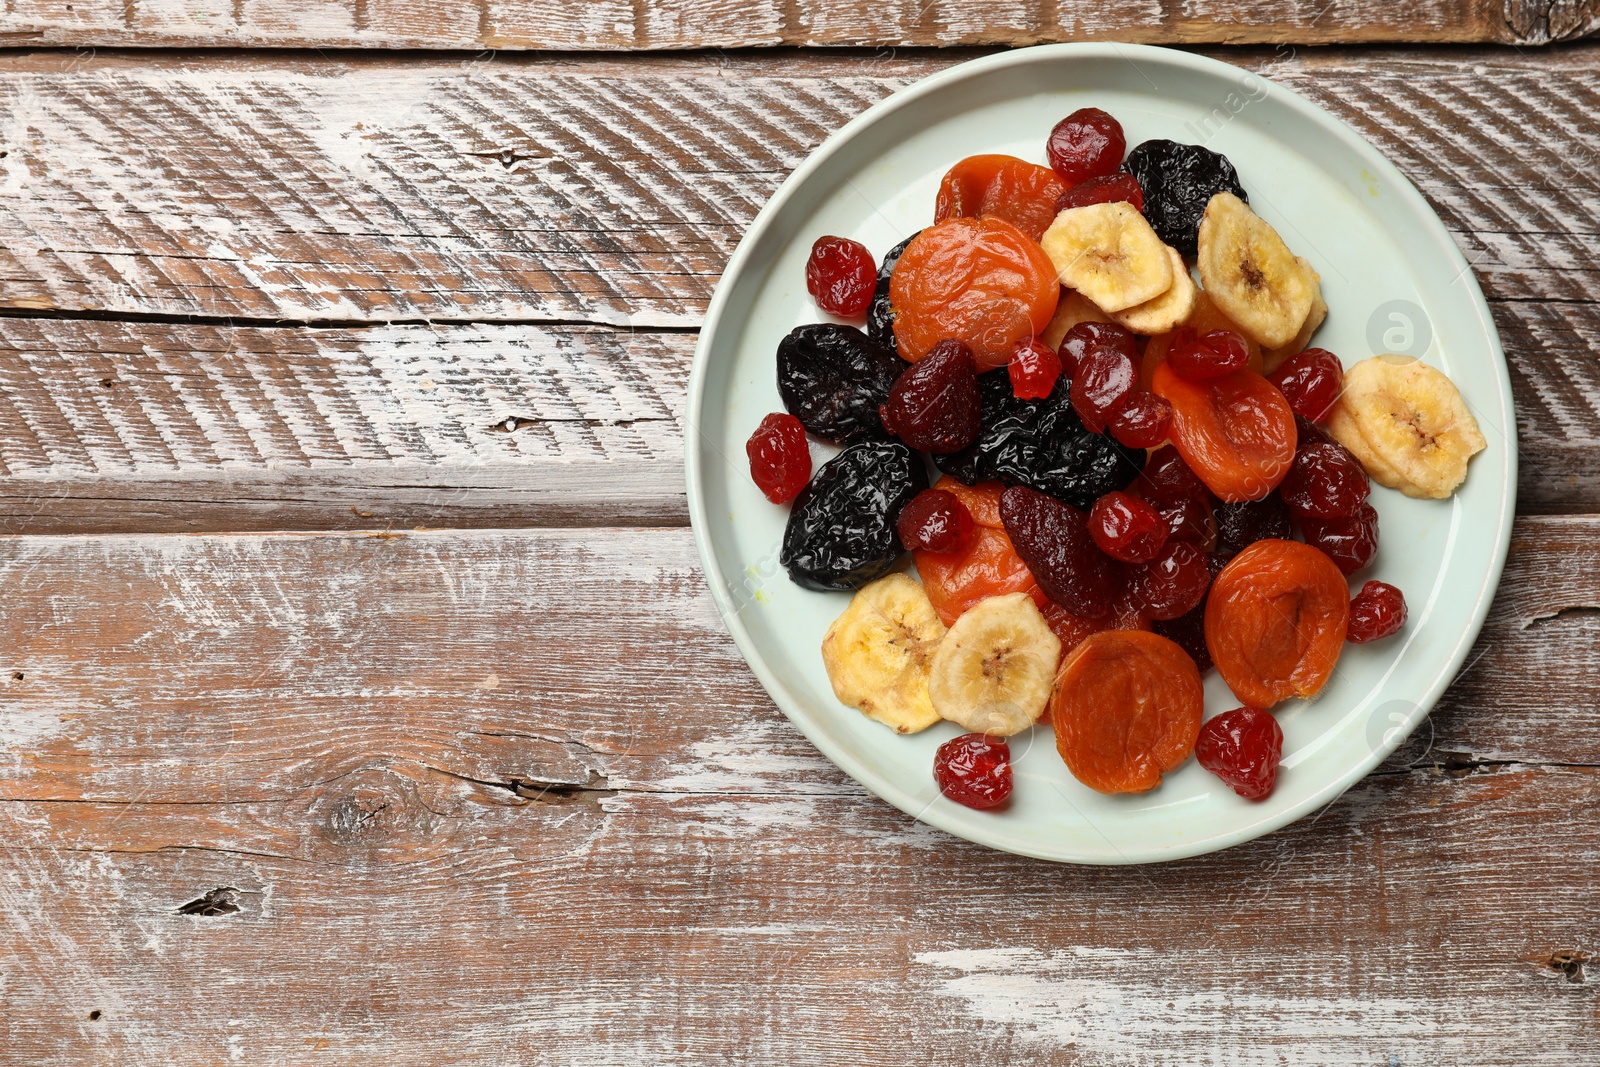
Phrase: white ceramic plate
(1394, 281)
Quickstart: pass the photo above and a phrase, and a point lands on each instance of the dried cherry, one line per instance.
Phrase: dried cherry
(1127, 528)
(780, 458)
(1086, 144)
(1378, 611)
(989, 566)
(880, 315)
(1042, 444)
(1242, 747)
(834, 379)
(841, 532)
(975, 770)
(1311, 381)
(934, 403)
(1022, 193)
(1086, 335)
(1105, 378)
(1351, 543)
(1173, 583)
(1179, 180)
(982, 281)
(1325, 481)
(1053, 540)
(1034, 368)
(1106, 189)
(840, 276)
(1142, 421)
(936, 521)
(1198, 357)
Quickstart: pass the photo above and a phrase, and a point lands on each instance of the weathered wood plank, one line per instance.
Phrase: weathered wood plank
(149, 427)
(327, 735)
(614, 24)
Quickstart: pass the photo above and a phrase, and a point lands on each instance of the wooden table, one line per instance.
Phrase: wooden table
(362, 700)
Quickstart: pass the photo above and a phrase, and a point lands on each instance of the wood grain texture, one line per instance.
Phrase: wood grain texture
(327, 798)
(618, 25)
(261, 192)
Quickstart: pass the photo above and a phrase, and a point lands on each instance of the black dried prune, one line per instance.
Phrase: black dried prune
(1041, 444)
(841, 532)
(1188, 631)
(833, 379)
(1242, 525)
(1179, 180)
(880, 316)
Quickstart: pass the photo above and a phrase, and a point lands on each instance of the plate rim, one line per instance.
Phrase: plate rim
(1378, 164)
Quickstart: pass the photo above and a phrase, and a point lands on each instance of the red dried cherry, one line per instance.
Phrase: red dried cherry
(1086, 144)
(1325, 481)
(1106, 189)
(1200, 357)
(1351, 543)
(1034, 368)
(1085, 335)
(1242, 747)
(1105, 377)
(1127, 528)
(840, 275)
(780, 458)
(1173, 583)
(975, 770)
(1378, 611)
(1310, 381)
(1142, 421)
(934, 404)
(936, 520)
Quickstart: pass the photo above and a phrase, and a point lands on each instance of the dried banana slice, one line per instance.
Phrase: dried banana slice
(996, 667)
(1251, 274)
(1408, 425)
(1167, 311)
(1109, 253)
(878, 653)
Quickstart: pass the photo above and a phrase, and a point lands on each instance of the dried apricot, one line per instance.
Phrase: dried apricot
(1275, 621)
(988, 566)
(1236, 432)
(1126, 710)
(982, 281)
(1022, 193)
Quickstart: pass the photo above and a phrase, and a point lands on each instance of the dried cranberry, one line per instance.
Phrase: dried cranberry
(780, 458)
(1142, 421)
(1351, 543)
(1243, 524)
(1034, 368)
(1378, 611)
(1191, 520)
(1167, 477)
(1173, 583)
(840, 275)
(1053, 539)
(1242, 747)
(1179, 180)
(934, 404)
(1105, 377)
(1086, 144)
(1127, 528)
(1325, 482)
(1188, 632)
(1311, 382)
(1106, 189)
(936, 520)
(1198, 357)
(1085, 335)
(975, 770)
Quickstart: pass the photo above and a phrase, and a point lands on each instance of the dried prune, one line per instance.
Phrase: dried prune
(934, 404)
(841, 532)
(1189, 632)
(880, 315)
(1243, 524)
(1178, 181)
(1053, 539)
(833, 379)
(1041, 444)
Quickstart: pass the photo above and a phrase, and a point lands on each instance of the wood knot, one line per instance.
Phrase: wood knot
(218, 901)
(1570, 962)
(377, 806)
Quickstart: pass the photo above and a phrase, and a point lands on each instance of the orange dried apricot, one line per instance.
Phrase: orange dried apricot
(980, 281)
(1126, 710)
(1022, 193)
(1236, 432)
(1275, 621)
(988, 566)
